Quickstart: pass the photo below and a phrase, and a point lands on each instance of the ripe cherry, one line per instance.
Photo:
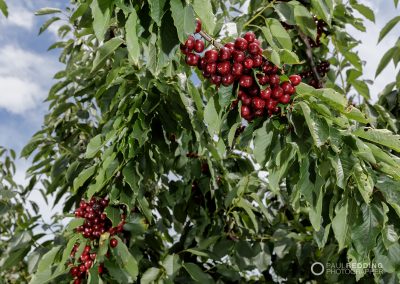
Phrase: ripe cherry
(249, 36)
(206, 74)
(241, 44)
(271, 104)
(113, 242)
(287, 88)
(257, 41)
(192, 59)
(274, 79)
(246, 100)
(266, 94)
(211, 68)
(295, 79)
(198, 25)
(227, 80)
(263, 79)
(237, 69)
(277, 93)
(74, 271)
(259, 112)
(211, 55)
(224, 54)
(257, 60)
(238, 56)
(253, 90)
(223, 68)
(285, 99)
(82, 268)
(246, 81)
(77, 281)
(245, 111)
(230, 46)
(190, 43)
(199, 46)
(215, 79)
(100, 269)
(253, 48)
(258, 103)
(248, 63)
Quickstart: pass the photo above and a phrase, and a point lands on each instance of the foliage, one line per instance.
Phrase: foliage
(206, 203)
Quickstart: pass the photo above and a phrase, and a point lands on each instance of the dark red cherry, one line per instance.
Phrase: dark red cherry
(246, 81)
(285, 99)
(199, 46)
(266, 94)
(248, 63)
(249, 37)
(295, 79)
(198, 25)
(241, 44)
(192, 59)
(224, 54)
(211, 56)
(189, 43)
(258, 103)
(277, 93)
(228, 80)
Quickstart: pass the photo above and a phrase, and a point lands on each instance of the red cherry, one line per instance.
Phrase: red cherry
(202, 63)
(88, 264)
(224, 54)
(275, 110)
(295, 79)
(93, 256)
(241, 93)
(241, 44)
(277, 93)
(249, 36)
(77, 281)
(100, 269)
(74, 271)
(253, 48)
(192, 59)
(238, 56)
(230, 46)
(263, 80)
(266, 94)
(224, 68)
(206, 74)
(246, 100)
(189, 43)
(246, 81)
(103, 216)
(257, 41)
(266, 68)
(211, 55)
(228, 80)
(285, 99)
(113, 242)
(258, 103)
(215, 79)
(274, 79)
(82, 204)
(253, 90)
(287, 88)
(248, 63)
(245, 111)
(257, 60)
(211, 68)
(82, 268)
(271, 104)
(199, 46)
(198, 25)
(237, 69)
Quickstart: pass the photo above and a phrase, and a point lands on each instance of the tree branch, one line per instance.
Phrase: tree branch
(309, 54)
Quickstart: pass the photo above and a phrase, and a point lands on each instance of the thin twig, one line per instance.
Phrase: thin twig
(208, 38)
(309, 54)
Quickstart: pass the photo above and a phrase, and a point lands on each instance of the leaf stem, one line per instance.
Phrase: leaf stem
(258, 14)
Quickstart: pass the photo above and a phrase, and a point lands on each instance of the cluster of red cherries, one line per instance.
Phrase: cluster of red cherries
(85, 262)
(241, 62)
(96, 222)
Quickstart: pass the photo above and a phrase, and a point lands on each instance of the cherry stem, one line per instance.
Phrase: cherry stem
(208, 38)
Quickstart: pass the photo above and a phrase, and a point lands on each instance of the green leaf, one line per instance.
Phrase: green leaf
(3, 8)
(354, 113)
(150, 275)
(47, 24)
(205, 12)
(172, 264)
(132, 40)
(288, 57)
(364, 10)
(197, 274)
(324, 9)
(211, 117)
(83, 177)
(362, 88)
(46, 11)
(318, 126)
(341, 223)
(94, 146)
(280, 38)
(244, 204)
(114, 215)
(365, 183)
(286, 12)
(380, 136)
(262, 141)
(305, 21)
(105, 51)
(385, 60)
(388, 27)
(157, 10)
(224, 96)
(391, 191)
(101, 11)
(129, 263)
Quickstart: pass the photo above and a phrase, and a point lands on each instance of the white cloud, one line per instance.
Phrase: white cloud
(24, 78)
(19, 16)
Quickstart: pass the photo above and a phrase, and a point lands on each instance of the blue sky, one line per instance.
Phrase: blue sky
(27, 68)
